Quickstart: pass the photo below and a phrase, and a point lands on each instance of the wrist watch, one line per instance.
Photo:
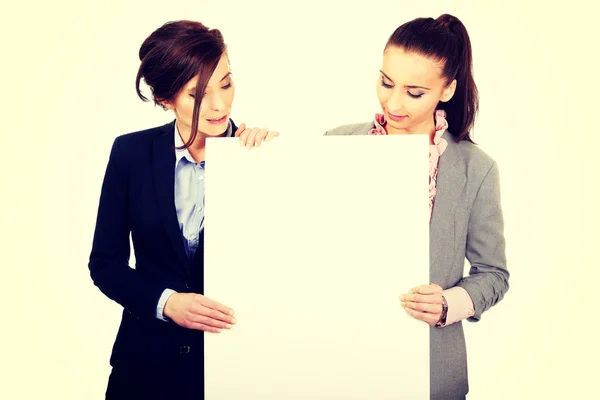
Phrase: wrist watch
(442, 320)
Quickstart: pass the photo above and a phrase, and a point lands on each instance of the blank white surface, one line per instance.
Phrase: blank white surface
(332, 231)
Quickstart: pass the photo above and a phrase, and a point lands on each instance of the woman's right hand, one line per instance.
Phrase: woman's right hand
(195, 311)
(253, 137)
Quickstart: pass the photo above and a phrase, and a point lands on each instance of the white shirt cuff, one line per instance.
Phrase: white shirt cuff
(161, 304)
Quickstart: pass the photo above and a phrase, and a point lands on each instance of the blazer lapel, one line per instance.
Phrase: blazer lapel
(450, 184)
(164, 174)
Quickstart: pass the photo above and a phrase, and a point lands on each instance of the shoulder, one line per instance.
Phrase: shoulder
(351, 129)
(145, 136)
(473, 154)
(135, 149)
(476, 163)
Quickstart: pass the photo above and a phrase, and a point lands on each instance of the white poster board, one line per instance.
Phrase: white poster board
(311, 242)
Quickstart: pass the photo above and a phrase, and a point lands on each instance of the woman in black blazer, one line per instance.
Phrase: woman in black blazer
(153, 189)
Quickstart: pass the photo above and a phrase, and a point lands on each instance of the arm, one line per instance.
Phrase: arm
(109, 258)
(488, 278)
(485, 250)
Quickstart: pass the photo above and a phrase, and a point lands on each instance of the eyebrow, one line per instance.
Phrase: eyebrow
(226, 75)
(407, 86)
(222, 79)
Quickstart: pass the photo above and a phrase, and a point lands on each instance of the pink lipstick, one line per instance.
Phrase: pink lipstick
(217, 121)
(396, 118)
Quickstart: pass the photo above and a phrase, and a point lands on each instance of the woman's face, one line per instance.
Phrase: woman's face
(215, 107)
(409, 89)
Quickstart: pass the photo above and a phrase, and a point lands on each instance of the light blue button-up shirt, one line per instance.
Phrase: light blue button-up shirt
(189, 203)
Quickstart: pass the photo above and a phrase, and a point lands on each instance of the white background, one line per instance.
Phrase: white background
(68, 72)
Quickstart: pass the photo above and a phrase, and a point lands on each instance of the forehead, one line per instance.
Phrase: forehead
(220, 71)
(409, 68)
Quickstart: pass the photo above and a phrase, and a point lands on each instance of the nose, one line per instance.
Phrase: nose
(394, 102)
(216, 102)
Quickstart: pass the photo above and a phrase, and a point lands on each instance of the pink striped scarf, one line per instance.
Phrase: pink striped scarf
(435, 150)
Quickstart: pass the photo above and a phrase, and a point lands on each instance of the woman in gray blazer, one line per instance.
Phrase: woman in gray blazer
(426, 86)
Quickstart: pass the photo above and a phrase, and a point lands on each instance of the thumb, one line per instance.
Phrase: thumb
(239, 130)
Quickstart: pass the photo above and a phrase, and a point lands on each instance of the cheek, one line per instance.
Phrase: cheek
(186, 108)
(382, 94)
(202, 111)
(229, 95)
(422, 108)
(189, 111)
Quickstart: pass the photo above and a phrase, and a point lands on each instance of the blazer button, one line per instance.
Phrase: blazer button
(184, 349)
(187, 285)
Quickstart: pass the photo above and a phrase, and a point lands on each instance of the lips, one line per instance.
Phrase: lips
(217, 121)
(396, 118)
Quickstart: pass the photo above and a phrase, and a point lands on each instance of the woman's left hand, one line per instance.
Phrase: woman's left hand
(424, 302)
(250, 137)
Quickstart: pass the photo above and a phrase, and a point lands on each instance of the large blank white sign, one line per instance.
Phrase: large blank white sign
(312, 242)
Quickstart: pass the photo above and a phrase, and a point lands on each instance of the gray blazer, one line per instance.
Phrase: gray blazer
(466, 222)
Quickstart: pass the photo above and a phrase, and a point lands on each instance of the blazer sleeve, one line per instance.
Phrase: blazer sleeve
(485, 249)
(109, 258)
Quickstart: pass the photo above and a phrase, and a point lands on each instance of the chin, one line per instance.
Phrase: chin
(397, 124)
(213, 130)
(214, 133)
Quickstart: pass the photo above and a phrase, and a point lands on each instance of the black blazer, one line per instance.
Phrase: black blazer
(138, 197)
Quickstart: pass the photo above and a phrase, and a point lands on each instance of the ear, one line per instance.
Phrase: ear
(167, 104)
(448, 92)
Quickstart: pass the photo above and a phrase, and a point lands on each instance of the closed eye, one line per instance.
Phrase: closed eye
(415, 95)
(386, 85)
(222, 87)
